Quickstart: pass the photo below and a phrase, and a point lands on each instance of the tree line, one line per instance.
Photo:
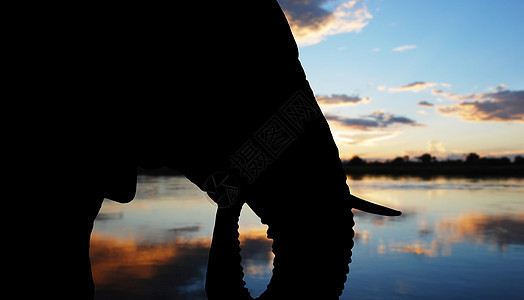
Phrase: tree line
(426, 164)
(426, 158)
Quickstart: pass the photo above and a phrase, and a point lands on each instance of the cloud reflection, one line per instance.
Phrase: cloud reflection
(499, 230)
(125, 267)
(134, 267)
(434, 249)
(494, 230)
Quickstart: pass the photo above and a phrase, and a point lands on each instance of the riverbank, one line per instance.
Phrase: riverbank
(405, 169)
(436, 169)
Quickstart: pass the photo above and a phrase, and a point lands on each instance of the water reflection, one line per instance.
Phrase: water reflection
(500, 230)
(451, 231)
(477, 228)
(128, 268)
(460, 238)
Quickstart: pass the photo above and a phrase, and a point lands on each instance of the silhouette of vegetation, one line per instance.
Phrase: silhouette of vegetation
(472, 158)
(472, 165)
(427, 165)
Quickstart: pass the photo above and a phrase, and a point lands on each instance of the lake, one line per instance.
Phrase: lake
(458, 238)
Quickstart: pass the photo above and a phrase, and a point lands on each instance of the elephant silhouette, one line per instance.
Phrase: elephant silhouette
(216, 91)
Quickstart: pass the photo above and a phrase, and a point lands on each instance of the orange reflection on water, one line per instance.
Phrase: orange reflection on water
(499, 230)
(115, 258)
(256, 233)
(435, 248)
(479, 228)
(117, 262)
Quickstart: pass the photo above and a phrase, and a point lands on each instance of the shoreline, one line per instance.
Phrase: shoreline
(436, 169)
(406, 169)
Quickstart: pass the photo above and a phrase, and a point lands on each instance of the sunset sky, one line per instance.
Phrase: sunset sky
(409, 77)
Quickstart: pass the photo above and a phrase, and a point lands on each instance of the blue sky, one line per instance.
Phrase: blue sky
(411, 77)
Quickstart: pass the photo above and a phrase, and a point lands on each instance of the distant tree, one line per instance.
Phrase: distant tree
(355, 160)
(519, 160)
(472, 157)
(425, 158)
(505, 161)
(398, 160)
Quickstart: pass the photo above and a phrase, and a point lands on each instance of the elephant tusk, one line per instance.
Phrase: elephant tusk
(373, 208)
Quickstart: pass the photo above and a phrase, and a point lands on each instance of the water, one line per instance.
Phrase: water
(458, 238)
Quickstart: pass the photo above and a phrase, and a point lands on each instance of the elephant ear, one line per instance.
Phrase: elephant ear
(373, 208)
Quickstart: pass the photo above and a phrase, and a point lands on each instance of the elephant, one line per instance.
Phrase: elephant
(216, 91)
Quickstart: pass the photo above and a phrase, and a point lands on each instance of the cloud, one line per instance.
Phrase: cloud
(368, 137)
(381, 87)
(404, 48)
(338, 100)
(502, 106)
(499, 88)
(426, 104)
(453, 96)
(368, 129)
(377, 119)
(413, 87)
(312, 23)
(436, 147)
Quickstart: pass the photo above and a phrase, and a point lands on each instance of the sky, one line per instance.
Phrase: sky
(409, 77)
